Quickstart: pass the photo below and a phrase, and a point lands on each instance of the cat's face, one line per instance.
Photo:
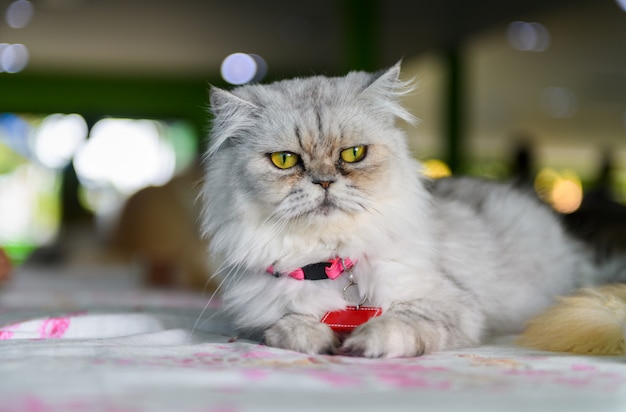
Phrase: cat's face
(316, 172)
(310, 150)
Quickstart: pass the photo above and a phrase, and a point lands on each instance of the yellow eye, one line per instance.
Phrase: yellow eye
(284, 160)
(354, 154)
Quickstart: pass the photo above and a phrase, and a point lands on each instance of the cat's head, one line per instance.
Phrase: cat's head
(308, 150)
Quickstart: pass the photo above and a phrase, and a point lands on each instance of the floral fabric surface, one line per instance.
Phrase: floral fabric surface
(76, 343)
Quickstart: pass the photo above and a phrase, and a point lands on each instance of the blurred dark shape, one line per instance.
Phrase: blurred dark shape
(522, 169)
(77, 232)
(601, 221)
(5, 267)
(158, 230)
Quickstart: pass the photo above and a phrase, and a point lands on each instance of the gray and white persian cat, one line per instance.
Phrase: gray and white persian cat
(307, 171)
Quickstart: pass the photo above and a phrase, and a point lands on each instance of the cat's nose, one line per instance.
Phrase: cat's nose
(324, 183)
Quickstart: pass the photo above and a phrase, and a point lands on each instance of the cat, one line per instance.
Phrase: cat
(315, 172)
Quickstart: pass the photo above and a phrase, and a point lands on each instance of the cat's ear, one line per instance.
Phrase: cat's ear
(387, 79)
(231, 114)
(223, 102)
(386, 88)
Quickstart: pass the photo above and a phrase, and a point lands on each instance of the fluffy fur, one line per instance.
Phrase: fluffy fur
(449, 261)
(591, 322)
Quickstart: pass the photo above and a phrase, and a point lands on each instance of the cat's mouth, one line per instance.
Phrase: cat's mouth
(322, 207)
(326, 206)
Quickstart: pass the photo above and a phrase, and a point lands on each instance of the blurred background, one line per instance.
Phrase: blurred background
(103, 108)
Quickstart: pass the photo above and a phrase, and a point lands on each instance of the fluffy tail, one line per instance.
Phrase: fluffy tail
(591, 322)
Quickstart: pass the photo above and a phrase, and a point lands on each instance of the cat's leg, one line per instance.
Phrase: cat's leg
(413, 329)
(302, 333)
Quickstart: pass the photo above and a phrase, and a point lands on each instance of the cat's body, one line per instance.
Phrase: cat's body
(306, 170)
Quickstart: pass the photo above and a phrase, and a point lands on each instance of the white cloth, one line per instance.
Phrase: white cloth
(76, 343)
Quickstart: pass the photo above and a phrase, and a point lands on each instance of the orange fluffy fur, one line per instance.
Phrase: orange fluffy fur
(591, 322)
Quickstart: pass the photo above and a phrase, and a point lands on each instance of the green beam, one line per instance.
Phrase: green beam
(94, 96)
(453, 110)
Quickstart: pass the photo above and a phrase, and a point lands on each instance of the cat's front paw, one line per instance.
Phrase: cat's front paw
(301, 333)
(390, 337)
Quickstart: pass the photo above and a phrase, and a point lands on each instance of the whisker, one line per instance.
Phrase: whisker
(206, 306)
(219, 271)
(232, 266)
(213, 276)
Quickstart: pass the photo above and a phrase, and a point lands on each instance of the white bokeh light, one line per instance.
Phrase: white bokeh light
(528, 36)
(559, 102)
(25, 216)
(242, 68)
(125, 154)
(19, 14)
(57, 139)
(13, 57)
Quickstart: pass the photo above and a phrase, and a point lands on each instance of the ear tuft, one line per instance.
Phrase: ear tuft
(387, 88)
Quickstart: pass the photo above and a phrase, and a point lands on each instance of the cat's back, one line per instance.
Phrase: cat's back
(503, 244)
(496, 214)
(491, 200)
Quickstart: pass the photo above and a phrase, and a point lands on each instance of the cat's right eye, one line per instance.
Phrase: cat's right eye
(354, 154)
(284, 160)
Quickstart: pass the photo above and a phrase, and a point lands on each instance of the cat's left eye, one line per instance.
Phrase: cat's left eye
(354, 154)
(284, 160)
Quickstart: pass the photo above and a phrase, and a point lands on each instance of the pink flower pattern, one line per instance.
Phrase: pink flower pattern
(54, 328)
(7, 332)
